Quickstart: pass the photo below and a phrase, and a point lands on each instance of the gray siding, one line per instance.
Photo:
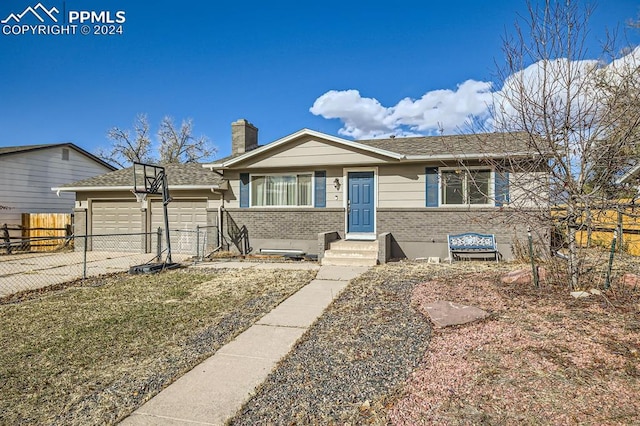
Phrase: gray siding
(26, 180)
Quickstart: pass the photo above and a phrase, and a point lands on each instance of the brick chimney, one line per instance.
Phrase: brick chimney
(244, 137)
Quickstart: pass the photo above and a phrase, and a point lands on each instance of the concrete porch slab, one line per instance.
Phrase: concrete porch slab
(340, 273)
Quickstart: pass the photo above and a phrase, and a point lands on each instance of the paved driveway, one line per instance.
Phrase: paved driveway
(36, 270)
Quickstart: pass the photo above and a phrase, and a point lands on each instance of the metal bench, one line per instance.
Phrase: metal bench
(472, 243)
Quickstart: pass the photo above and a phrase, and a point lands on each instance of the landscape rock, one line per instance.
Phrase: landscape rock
(580, 294)
(523, 276)
(444, 314)
(631, 280)
(519, 276)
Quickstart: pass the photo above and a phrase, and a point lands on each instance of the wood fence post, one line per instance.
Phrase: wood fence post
(7, 240)
(619, 230)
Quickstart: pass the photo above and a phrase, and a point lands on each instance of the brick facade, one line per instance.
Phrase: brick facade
(433, 225)
(423, 232)
(412, 233)
(291, 225)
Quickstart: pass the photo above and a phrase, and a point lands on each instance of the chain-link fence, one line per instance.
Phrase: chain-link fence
(24, 266)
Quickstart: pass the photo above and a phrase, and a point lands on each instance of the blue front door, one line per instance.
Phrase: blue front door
(360, 206)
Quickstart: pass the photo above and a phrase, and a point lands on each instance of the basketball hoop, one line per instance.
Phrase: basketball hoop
(141, 197)
(152, 179)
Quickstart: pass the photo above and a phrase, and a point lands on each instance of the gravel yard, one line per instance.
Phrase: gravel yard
(357, 354)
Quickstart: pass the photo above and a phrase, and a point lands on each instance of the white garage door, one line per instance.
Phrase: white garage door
(116, 218)
(184, 216)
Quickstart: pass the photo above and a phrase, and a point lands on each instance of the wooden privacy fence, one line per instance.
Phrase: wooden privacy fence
(596, 228)
(38, 232)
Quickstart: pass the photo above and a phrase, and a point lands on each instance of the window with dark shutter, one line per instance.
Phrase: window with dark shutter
(244, 189)
(320, 181)
(502, 188)
(431, 189)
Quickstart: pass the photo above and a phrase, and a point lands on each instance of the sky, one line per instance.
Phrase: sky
(339, 67)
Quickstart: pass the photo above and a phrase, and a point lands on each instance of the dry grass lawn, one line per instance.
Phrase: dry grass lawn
(94, 351)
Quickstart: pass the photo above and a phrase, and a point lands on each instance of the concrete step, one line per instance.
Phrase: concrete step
(352, 253)
(349, 245)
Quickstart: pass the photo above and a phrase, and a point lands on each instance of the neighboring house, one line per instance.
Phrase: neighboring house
(630, 177)
(305, 189)
(27, 174)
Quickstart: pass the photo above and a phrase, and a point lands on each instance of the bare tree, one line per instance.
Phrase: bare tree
(577, 113)
(129, 146)
(179, 145)
(174, 145)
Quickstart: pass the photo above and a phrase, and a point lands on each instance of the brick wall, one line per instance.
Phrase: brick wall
(414, 232)
(426, 229)
(433, 225)
(287, 224)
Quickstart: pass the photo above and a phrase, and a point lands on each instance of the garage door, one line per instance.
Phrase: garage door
(115, 218)
(184, 216)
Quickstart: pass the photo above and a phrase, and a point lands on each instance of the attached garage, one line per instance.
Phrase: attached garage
(107, 206)
(110, 219)
(184, 217)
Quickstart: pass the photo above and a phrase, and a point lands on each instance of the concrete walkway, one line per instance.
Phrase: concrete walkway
(213, 391)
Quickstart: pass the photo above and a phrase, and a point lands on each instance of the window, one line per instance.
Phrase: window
(65, 154)
(463, 187)
(281, 190)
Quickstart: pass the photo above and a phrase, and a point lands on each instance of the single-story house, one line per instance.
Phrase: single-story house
(300, 192)
(28, 172)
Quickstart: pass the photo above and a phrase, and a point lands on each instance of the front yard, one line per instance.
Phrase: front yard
(92, 353)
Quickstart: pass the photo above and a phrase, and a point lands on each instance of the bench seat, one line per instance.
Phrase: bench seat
(472, 243)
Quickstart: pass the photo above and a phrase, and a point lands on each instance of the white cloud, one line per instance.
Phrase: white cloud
(473, 101)
(362, 117)
(367, 118)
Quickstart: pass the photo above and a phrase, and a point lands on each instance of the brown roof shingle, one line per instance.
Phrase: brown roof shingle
(177, 175)
(7, 150)
(480, 144)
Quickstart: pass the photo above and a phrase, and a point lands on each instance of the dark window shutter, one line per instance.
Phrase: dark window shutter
(244, 189)
(431, 174)
(502, 188)
(320, 178)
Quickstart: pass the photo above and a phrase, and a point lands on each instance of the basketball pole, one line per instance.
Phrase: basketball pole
(165, 200)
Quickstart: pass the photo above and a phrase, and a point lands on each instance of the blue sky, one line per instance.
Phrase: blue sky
(267, 62)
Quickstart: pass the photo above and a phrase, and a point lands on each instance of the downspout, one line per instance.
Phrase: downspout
(219, 223)
(220, 228)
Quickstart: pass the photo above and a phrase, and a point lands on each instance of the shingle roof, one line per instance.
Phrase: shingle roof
(472, 144)
(177, 175)
(7, 150)
(15, 149)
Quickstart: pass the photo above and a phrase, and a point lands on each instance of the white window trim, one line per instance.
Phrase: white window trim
(306, 206)
(490, 195)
